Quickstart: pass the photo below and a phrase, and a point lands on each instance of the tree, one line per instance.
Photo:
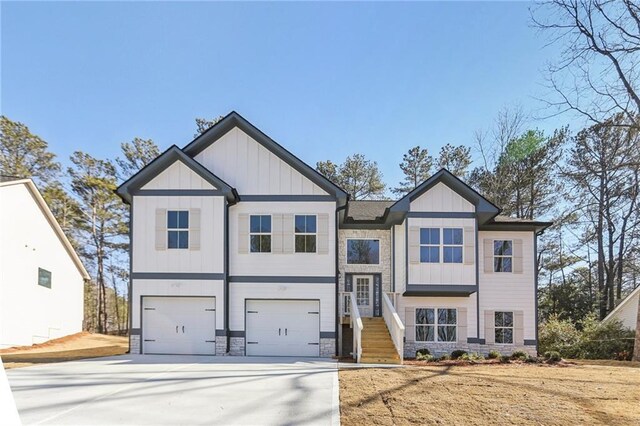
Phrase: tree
(596, 74)
(202, 125)
(65, 209)
(25, 155)
(359, 177)
(456, 159)
(135, 155)
(416, 166)
(603, 171)
(101, 227)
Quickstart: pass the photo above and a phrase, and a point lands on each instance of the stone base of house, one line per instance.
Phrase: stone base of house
(439, 349)
(221, 345)
(134, 344)
(327, 347)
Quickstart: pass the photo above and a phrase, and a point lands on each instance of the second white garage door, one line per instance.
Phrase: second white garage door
(179, 325)
(283, 327)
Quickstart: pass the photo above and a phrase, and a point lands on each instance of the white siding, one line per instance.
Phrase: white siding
(178, 176)
(441, 273)
(278, 264)
(441, 198)
(30, 313)
(252, 169)
(241, 291)
(628, 311)
(210, 257)
(177, 288)
(509, 291)
(443, 302)
(399, 267)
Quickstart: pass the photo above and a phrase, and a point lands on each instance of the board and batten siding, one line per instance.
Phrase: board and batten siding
(505, 291)
(178, 176)
(150, 257)
(251, 168)
(31, 313)
(141, 288)
(243, 262)
(442, 273)
(441, 198)
(239, 292)
(399, 265)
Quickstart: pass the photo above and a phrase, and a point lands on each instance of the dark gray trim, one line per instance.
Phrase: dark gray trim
(177, 192)
(130, 283)
(287, 198)
(327, 334)
(237, 333)
(475, 340)
(281, 279)
(477, 265)
(221, 333)
(336, 315)
(440, 290)
(447, 215)
(177, 276)
(516, 226)
(233, 119)
(377, 294)
(134, 331)
(226, 276)
(360, 225)
(160, 163)
(535, 280)
(528, 342)
(406, 254)
(393, 258)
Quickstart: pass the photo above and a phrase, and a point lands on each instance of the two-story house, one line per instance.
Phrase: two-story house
(240, 248)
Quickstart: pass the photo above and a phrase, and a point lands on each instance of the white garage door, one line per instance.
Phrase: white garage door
(283, 327)
(179, 325)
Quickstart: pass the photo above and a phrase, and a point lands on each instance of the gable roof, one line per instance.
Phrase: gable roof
(485, 209)
(233, 119)
(51, 219)
(628, 299)
(367, 209)
(161, 163)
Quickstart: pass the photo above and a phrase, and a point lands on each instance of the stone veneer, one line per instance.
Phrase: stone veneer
(384, 268)
(134, 344)
(438, 349)
(237, 346)
(327, 347)
(221, 345)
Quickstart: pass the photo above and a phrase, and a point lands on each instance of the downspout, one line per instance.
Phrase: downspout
(130, 289)
(337, 244)
(226, 276)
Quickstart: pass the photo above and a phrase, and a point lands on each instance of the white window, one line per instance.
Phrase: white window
(436, 325)
(504, 327)
(503, 255)
(452, 245)
(305, 233)
(429, 245)
(178, 229)
(362, 291)
(260, 233)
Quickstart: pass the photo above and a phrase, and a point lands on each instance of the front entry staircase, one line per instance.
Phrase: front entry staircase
(377, 345)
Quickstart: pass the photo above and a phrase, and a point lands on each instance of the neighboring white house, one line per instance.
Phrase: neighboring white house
(41, 276)
(627, 310)
(240, 248)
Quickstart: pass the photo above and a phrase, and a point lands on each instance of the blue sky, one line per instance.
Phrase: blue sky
(323, 79)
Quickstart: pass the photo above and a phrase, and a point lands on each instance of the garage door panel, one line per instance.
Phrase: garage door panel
(179, 325)
(282, 327)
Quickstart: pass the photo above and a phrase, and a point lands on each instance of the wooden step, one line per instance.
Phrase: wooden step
(368, 360)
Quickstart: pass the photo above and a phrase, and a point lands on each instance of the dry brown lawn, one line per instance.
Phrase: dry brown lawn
(69, 348)
(522, 394)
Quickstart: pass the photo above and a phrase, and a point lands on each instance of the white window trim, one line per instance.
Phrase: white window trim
(435, 325)
(304, 233)
(502, 256)
(495, 327)
(438, 246)
(187, 229)
(461, 246)
(270, 233)
(346, 253)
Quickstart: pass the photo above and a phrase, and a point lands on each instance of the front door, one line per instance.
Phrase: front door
(364, 294)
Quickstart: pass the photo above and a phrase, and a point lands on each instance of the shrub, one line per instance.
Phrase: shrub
(473, 356)
(423, 351)
(521, 355)
(493, 355)
(424, 357)
(558, 335)
(505, 359)
(457, 353)
(600, 340)
(552, 356)
(444, 357)
(532, 360)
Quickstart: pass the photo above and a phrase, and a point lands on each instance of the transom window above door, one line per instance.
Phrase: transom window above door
(363, 252)
(260, 233)
(305, 233)
(178, 229)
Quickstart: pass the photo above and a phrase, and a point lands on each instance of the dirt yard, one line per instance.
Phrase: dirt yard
(69, 348)
(522, 394)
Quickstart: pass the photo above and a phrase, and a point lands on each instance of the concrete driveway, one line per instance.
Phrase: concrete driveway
(156, 389)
